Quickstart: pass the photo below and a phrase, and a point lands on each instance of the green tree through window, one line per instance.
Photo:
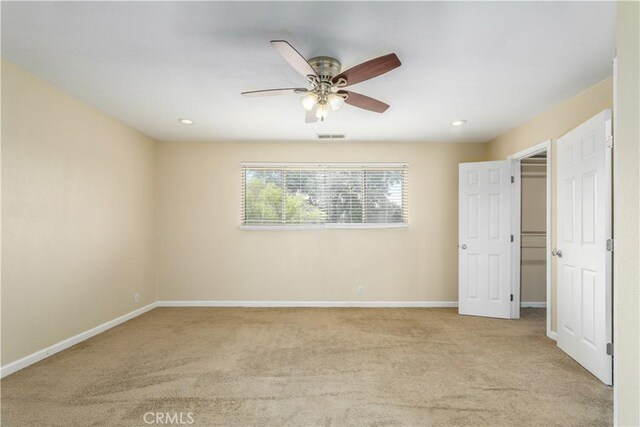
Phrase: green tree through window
(323, 196)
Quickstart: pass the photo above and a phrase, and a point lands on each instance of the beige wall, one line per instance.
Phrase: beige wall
(533, 255)
(550, 125)
(555, 121)
(77, 216)
(626, 213)
(205, 256)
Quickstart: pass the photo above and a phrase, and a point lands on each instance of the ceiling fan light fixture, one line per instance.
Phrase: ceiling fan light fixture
(335, 101)
(309, 101)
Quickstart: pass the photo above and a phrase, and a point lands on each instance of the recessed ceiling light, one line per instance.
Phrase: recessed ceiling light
(186, 121)
(459, 123)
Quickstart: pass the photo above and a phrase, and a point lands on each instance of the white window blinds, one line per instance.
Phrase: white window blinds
(324, 195)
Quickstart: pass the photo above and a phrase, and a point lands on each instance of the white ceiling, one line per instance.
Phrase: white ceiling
(494, 64)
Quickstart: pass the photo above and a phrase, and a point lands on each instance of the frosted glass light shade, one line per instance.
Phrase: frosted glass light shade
(309, 100)
(322, 111)
(335, 101)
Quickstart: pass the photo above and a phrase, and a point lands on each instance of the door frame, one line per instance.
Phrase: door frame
(615, 233)
(517, 229)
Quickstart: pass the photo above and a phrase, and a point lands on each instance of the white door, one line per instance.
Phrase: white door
(484, 249)
(584, 263)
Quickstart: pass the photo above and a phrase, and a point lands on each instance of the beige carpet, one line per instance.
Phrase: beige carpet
(308, 366)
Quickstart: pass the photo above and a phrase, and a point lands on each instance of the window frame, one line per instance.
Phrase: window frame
(328, 166)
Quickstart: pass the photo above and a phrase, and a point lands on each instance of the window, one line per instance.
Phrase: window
(325, 195)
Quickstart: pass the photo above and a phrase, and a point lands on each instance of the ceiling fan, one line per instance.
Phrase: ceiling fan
(326, 81)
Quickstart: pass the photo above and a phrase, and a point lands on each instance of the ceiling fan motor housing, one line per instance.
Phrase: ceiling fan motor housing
(325, 66)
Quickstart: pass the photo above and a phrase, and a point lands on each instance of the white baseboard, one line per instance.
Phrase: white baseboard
(542, 304)
(552, 335)
(370, 304)
(12, 367)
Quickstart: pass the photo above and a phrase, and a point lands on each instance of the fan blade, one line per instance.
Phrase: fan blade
(273, 92)
(363, 101)
(293, 57)
(310, 117)
(368, 70)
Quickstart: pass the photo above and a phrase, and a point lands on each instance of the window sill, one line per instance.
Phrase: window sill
(324, 226)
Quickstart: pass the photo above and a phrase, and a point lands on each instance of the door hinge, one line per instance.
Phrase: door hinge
(610, 349)
(610, 245)
(511, 297)
(512, 238)
(513, 179)
(610, 141)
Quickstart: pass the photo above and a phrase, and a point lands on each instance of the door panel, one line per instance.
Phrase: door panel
(485, 199)
(584, 264)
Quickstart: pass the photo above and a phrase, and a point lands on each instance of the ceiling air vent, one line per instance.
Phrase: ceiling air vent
(331, 136)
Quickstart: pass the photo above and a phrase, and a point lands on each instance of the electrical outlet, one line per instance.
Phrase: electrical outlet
(360, 290)
(136, 298)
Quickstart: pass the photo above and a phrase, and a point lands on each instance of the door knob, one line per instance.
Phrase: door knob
(463, 246)
(557, 253)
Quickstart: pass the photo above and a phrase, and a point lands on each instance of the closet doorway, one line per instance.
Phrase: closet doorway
(532, 229)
